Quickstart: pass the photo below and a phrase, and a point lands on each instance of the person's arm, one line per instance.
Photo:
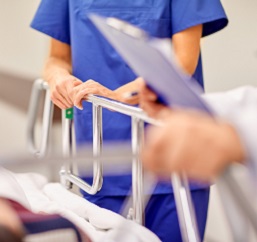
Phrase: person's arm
(186, 46)
(193, 143)
(57, 73)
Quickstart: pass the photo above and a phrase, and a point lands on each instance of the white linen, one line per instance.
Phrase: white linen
(34, 192)
(100, 218)
(239, 107)
(9, 188)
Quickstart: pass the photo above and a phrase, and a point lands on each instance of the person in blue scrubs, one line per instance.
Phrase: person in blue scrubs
(80, 53)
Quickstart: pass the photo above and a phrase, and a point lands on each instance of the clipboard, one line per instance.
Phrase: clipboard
(153, 59)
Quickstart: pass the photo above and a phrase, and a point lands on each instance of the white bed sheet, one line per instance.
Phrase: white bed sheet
(34, 192)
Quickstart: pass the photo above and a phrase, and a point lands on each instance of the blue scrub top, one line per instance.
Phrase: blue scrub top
(94, 58)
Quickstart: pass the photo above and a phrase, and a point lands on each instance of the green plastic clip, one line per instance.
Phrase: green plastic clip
(69, 113)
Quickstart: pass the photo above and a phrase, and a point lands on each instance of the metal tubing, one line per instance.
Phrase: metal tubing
(182, 194)
(97, 147)
(184, 204)
(137, 171)
(67, 176)
(185, 209)
(68, 149)
(122, 108)
(74, 179)
(39, 86)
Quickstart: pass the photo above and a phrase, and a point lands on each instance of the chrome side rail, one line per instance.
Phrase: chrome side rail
(68, 178)
(185, 209)
(137, 134)
(186, 214)
(38, 89)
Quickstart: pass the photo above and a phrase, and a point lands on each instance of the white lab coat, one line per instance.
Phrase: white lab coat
(239, 107)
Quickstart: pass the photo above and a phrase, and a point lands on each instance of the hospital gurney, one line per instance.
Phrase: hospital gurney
(185, 209)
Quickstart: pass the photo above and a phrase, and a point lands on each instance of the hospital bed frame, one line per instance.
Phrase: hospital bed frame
(182, 194)
(186, 214)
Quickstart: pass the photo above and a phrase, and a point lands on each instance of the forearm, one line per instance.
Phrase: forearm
(56, 68)
(57, 73)
(187, 48)
(58, 65)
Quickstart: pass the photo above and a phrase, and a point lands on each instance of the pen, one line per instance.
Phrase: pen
(130, 94)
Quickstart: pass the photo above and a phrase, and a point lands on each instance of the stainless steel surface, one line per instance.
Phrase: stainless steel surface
(67, 149)
(137, 170)
(67, 175)
(38, 89)
(97, 147)
(74, 179)
(185, 209)
(183, 198)
(122, 108)
(182, 194)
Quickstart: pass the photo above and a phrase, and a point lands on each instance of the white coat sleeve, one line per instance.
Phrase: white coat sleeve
(239, 107)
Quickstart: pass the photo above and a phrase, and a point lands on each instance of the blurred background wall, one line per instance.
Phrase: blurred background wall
(230, 56)
(229, 59)
(22, 50)
(22, 54)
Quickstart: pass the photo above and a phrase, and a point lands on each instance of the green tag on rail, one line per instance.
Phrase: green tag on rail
(69, 113)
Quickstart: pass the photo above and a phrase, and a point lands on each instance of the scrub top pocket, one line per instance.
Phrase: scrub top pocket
(118, 4)
(145, 19)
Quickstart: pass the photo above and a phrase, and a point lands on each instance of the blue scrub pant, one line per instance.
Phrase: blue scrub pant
(161, 215)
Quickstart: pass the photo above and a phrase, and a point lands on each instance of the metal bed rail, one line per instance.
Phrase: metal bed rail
(39, 88)
(186, 214)
(182, 194)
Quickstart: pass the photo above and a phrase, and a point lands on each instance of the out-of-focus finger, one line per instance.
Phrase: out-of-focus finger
(58, 100)
(61, 94)
(77, 82)
(89, 82)
(69, 91)
(65, 101)
(73, 87)
(80, 96)
(151, 108)
(151, 96)
(59, 104)
(79, 104)
(148, 94)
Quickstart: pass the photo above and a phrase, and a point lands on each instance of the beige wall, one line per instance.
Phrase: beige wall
(230, 56)
(22, 53)
(22, 50)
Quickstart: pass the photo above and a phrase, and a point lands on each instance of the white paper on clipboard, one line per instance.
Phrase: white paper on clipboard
(151, 58)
